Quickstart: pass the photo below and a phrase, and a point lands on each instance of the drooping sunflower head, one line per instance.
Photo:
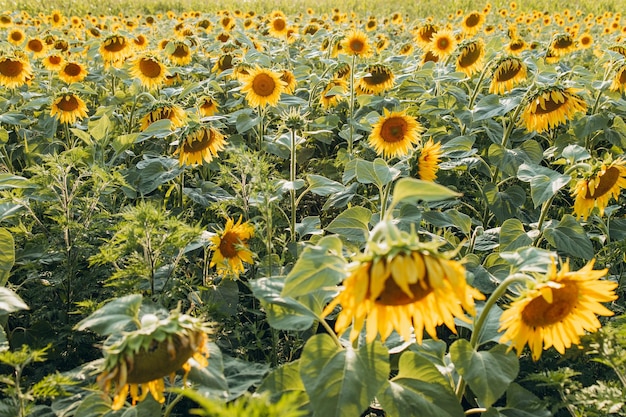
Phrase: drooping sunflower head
(178, 52)
(68, 107)
(557, 308)
(115, 49)
(402, 284)
(597, 187)
(290, 81)
(72, 72)
(508, 72)
(164, 110)
(424, 164)
(230, 248)
(562, 45)
(356, 43)
(200, 143)
(394, 134)
(378, 78)
(207, 106)
(471, 55)
(424, 34)
(15, 70)
(263, 87)
(472, 22)
(443, 44)
(342, 70)
(333, 92)
(550, 107)
(619, 79)
(149, 69)
(136, 362)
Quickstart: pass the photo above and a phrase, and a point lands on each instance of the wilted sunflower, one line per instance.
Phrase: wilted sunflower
(72, 72)
(394, 134)
(200, 143)
(472, 22)
(149, 69)
(550, 107)
(599, 187)
(290, 81)
(342, 70)
(333, 92)
(223, 63)
(230, 247)
(442, 44)
(424, 35)
(562, 45)
(428, 56)
(136, 362)
(619, 80)
(162, 111)
(470, 59)
(378, 78)
(207, 106)
(427, 161)
(557, 309)
(15, 70)
(115, 49)
(68, 108)
(263, 87)
(404, 285)
(508, 72)
(515, 46)
(356, 43)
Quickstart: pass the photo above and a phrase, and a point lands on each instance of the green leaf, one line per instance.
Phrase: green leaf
(520, 403)
(7, 255)
(10, 301)
(504, 204)
(309, 225)
(575, 153)
(4, 342)
(352, 224)
(4, 135)
(323, 186)
(114, 316)
(412, 190)
(509, 160)
(283, 380)
(241, 375)
(82, 135)
(419, 386)
(13, 181)
(244, 122)
(513, 235)
(210, 381)
(377, 172)
(449, 218)
(544, 182)
(100, 128)
(489, 331)
(342, 382)
(94, 405)
(528, 259)
(488, 373)
(569, 236)
(491, 106)
(223, 297)
(317, 267)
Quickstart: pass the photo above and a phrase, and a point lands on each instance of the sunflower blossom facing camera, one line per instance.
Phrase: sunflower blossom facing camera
(149, 70)
(394, 134)
(550, 107)
(262, 87)
(68, 108)
(200, 144)
(230, 247)
(557, 309)
(404, 285)
(598, 188)
(356, 43)
(15, 70)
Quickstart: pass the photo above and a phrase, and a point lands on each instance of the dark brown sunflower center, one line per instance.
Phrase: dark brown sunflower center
(443, 44)
(585, 40)
(606, 182)
(72, 69)
(279, 24)
(426, 34)
(563, 43)
(199, 142)
(507, 71)
(181, 51)
(549, 105)
(472, 20)
(393, 130)
(35, 45)
(54, 59)
(516, 45)
(263, 85)
(357, 45)
(430, 57)
(393, 295)
(622, 77)
(149, 68)
(377, 76)
(68, 104)
(159, 360)
(470, 56)
(11, 67)
(228, 244)
(540, 313)
(16, 36)
(115, 44)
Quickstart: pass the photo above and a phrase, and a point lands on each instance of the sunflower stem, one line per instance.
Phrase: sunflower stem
(331, 333)
(67, 135)
(261, 127)
(170, 406)
(351, 118)
(292, 191)
(507, 134)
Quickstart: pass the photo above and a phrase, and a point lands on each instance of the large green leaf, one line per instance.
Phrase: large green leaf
(100, 128)
(94, 405)
(376, 172)
(342, 382)
(544, 182)
(323, 186)
(7, 255)
(504, 204)
(449, 218)
(352, 224)
(412, 190)
(210, 381)
(114, 316)
(513, 235)
(242, 375)
(283, 380)
(418, 386)
(570, 237)
(10, 301)
(13, 181)
(488, 373)
(520, 403)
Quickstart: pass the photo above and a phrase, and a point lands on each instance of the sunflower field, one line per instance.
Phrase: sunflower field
(328, 214)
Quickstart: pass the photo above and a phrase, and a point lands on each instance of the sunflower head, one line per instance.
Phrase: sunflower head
(333, 92)
(472, 22)
(562, 45)
(135, 362)
(424, 164)
(207, 106)
(200, 143)
(263, 87)
(162, 110)
(508, 72)
(230, 247)
(15, 70)
(72, 72)
(424, 34)
(356, 43)
(556, 308)
(619, 79)
(402, 284)
(605, 181)
(378, 78)
(443, 44)
(470, 58)
(68, 107)
(394, 134)
(115, 49)
(550, 107)
(149, 69)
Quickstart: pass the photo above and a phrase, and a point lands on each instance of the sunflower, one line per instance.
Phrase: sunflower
(53, 62)
(428, 161)
(140, 42)
(470, 59)
(515, 46)
(278, 27)
(223, 63)
(15, 70)
(424, 35)
(290, 81)
(149, 70)
(585, 40)
(406, 49)
(5, 20)
(207, 106)
(16, 36)
(342, 70)
(199, 144)
(333, 92)
(442, 44)
(36, 47)
(428, 56)
(72, 72)
(508, 72)
(550, 107)
(162, 111)
(394, 134)
(557, 309)
(263, 87)
(230, 247)
(371, 24)
(562, 45)
(598, 188)
(115, 49)
(378, 78)
(138, 360)
(619, 80)
(382, 43)
(178, 52)
(57, 19)
(402, 284)
(472, 22)
(68, 108)
(356, 43)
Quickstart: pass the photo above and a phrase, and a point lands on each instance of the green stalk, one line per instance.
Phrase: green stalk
(351, 118)
(292, 191)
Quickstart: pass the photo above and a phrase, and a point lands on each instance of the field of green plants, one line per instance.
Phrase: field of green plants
(312, 210)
